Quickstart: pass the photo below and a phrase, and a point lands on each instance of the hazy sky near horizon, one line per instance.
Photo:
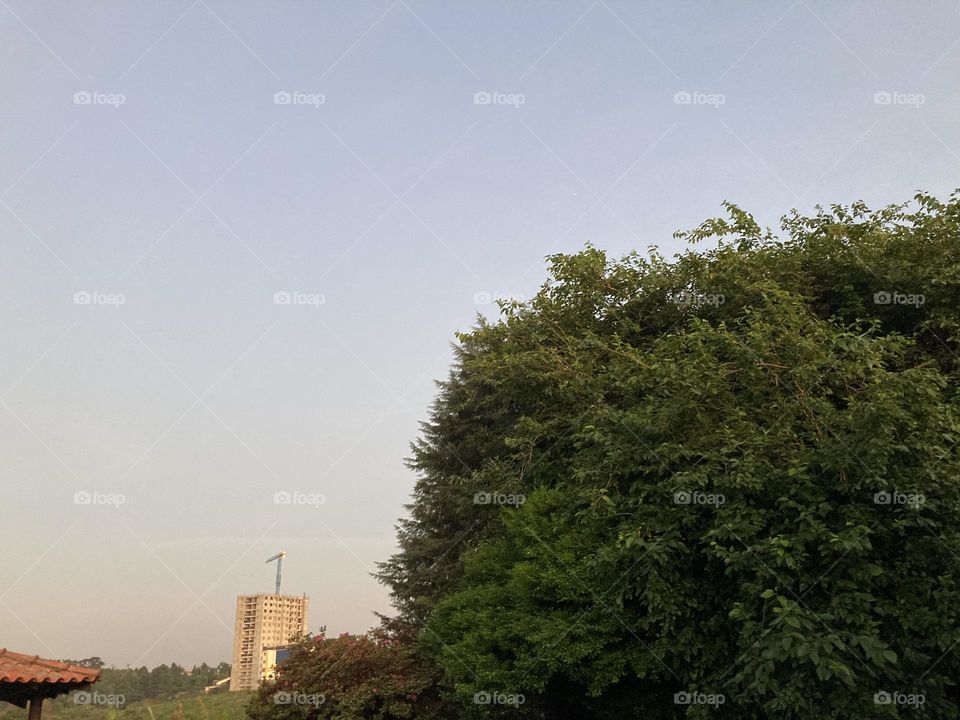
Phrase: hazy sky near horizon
(158, 397)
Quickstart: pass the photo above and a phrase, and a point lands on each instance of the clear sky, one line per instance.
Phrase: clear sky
(157, 394)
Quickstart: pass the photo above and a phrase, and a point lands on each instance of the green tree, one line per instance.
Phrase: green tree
(733, 476)
(369, 677)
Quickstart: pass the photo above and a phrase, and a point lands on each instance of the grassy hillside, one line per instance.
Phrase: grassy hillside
(216, 706)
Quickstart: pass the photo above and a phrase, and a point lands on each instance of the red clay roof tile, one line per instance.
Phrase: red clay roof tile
(19, 668)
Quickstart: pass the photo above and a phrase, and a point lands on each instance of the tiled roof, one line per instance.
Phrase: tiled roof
(19, 668)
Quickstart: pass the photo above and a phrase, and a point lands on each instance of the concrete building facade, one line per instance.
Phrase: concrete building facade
(263, 621)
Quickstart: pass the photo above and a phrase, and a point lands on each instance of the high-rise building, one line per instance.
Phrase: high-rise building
(263, 621)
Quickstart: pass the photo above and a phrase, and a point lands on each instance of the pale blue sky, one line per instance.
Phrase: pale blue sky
(397, 199)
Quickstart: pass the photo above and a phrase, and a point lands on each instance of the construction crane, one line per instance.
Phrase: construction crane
(279, 558)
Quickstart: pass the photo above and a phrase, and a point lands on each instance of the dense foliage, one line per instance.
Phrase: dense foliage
(371, 676)
(161, 682)
(722, 486)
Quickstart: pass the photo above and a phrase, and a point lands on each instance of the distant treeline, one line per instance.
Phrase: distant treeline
(161, 682)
